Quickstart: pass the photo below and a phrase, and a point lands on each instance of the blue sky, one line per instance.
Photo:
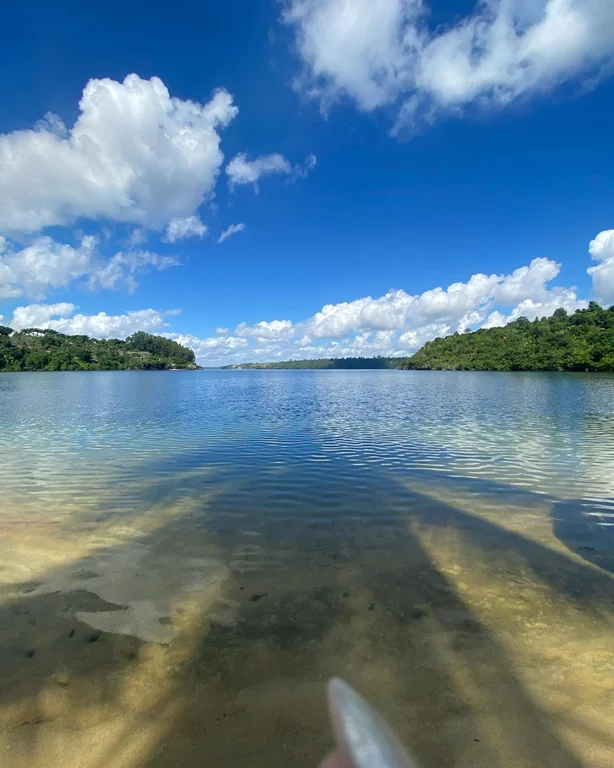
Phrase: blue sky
(392, 173)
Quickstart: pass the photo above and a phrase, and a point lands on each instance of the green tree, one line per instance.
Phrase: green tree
(36, 349)
(583, 341)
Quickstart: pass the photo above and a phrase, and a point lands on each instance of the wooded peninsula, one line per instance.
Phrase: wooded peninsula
(583, 341)
(42, 349)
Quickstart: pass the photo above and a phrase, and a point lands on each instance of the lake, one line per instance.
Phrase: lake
(187, 557)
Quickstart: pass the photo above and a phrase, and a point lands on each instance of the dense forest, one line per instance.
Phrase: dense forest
(36, 349)
(344, 363)
(583, 341)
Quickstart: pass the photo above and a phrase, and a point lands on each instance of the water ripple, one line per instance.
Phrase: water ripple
(307, 447)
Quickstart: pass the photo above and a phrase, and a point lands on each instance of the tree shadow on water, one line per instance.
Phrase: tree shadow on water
(241, 683)
(371, 605)
(586, 528)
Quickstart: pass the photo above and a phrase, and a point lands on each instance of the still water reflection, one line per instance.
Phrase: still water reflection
(186, 557)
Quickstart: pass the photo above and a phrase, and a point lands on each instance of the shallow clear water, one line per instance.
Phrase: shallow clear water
(229, 539)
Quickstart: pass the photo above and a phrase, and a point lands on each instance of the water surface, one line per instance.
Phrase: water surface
(186, 557)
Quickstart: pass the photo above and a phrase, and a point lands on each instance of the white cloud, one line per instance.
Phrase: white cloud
(275, 330)
(564, 298)
(233, 229)
(214, 348)
(469, 319)
(240, 170)
(363, 345)
(180, 229)
(46, 265)
(398, 323)
(310, 163)
(135, 154)
(37, 315)
(527, 282)
(337, 320)
(495, 320)
(60, 317)
(120, 269)
(138, 236)
(384, 53)
(413, 340)
(459, 305)
(557, 298)
(43, 265)
(601, 249)
(395, 324)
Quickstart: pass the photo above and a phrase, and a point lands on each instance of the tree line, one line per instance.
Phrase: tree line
(43, 349)
(344, 363)
(582, 341)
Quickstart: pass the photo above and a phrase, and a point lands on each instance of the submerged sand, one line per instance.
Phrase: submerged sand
(178, 637)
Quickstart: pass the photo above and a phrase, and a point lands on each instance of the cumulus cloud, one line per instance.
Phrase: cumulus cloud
(561, 298)
(61, 317)
(120, 270)
(46, 265)
(135, 154)
(275, 330)
(414, 339)
(181, 229)
(557, 298)
(459, 306)
(43, 265)
(233, 229)
(395, 324)
(240, 170)
(527, 282)
(384, 53)
(215, 348)
(398, 323)
(37, 315)
(495, 319)
(601, 250)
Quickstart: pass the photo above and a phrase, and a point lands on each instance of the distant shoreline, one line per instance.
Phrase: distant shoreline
(331, 363)
(412, 370)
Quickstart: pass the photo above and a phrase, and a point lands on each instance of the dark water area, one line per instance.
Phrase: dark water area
(187, 557)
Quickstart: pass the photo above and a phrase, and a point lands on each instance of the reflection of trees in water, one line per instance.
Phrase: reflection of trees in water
(243, 682)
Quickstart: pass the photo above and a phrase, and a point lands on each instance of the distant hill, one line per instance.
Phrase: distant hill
(583, 341)
(37, 349)
(344, 363)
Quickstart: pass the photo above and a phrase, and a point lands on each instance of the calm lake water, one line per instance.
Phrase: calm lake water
(186, 557)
